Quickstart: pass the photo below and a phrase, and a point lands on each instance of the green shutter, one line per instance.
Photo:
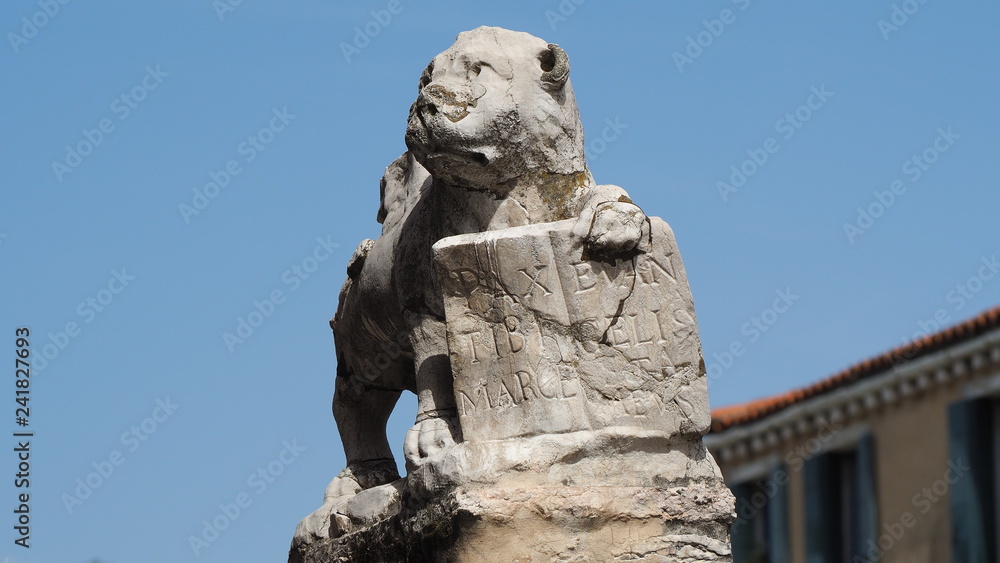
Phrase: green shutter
(742, 529)
(822, 511)
(777, 515)
(972, 496)
(866, 531)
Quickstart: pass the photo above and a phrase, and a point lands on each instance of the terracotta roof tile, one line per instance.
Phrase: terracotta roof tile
(744, 413)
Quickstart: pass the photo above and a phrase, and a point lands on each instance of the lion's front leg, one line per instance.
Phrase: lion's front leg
(436, 427)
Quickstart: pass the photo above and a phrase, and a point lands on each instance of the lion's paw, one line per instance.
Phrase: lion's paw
(429, 437)
(331, 519)
(616, 229)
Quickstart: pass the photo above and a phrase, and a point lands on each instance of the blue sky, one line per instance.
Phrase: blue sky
(830, 178)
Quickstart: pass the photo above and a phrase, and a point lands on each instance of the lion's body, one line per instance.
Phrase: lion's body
(495, 141)
(372, 339)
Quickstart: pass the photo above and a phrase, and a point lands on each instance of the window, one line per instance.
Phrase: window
(840, 504)
(760, 532)
(974, 442)
(996, 474)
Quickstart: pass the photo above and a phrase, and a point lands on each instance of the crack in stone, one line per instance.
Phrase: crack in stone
(621, 306)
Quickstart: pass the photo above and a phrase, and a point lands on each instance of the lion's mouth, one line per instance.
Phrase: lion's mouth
(420, 138)
(467, 157)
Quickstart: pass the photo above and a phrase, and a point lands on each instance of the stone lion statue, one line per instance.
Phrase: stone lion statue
(494, 141)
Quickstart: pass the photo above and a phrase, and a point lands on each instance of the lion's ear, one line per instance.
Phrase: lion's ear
(555, 67)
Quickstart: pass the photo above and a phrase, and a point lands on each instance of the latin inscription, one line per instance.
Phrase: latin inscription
(643, 336)
(542, 341)
(550, 384)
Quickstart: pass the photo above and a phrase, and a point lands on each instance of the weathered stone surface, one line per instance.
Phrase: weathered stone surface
(543, 340)
(609, 457)
(546, 326)
(541, 524)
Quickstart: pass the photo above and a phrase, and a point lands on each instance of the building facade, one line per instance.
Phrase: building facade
(895, 459)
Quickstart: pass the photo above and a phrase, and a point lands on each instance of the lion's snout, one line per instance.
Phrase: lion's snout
(452, 102)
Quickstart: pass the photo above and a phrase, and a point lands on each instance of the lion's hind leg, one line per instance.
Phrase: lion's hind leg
(361, 413)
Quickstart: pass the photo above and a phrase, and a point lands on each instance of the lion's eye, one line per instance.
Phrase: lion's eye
(476, 69)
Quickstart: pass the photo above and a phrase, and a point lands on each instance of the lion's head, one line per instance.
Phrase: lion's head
(495, 106)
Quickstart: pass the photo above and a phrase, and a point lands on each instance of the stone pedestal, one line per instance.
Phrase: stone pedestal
(582, 401)
(628, 496)
(542, 524)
